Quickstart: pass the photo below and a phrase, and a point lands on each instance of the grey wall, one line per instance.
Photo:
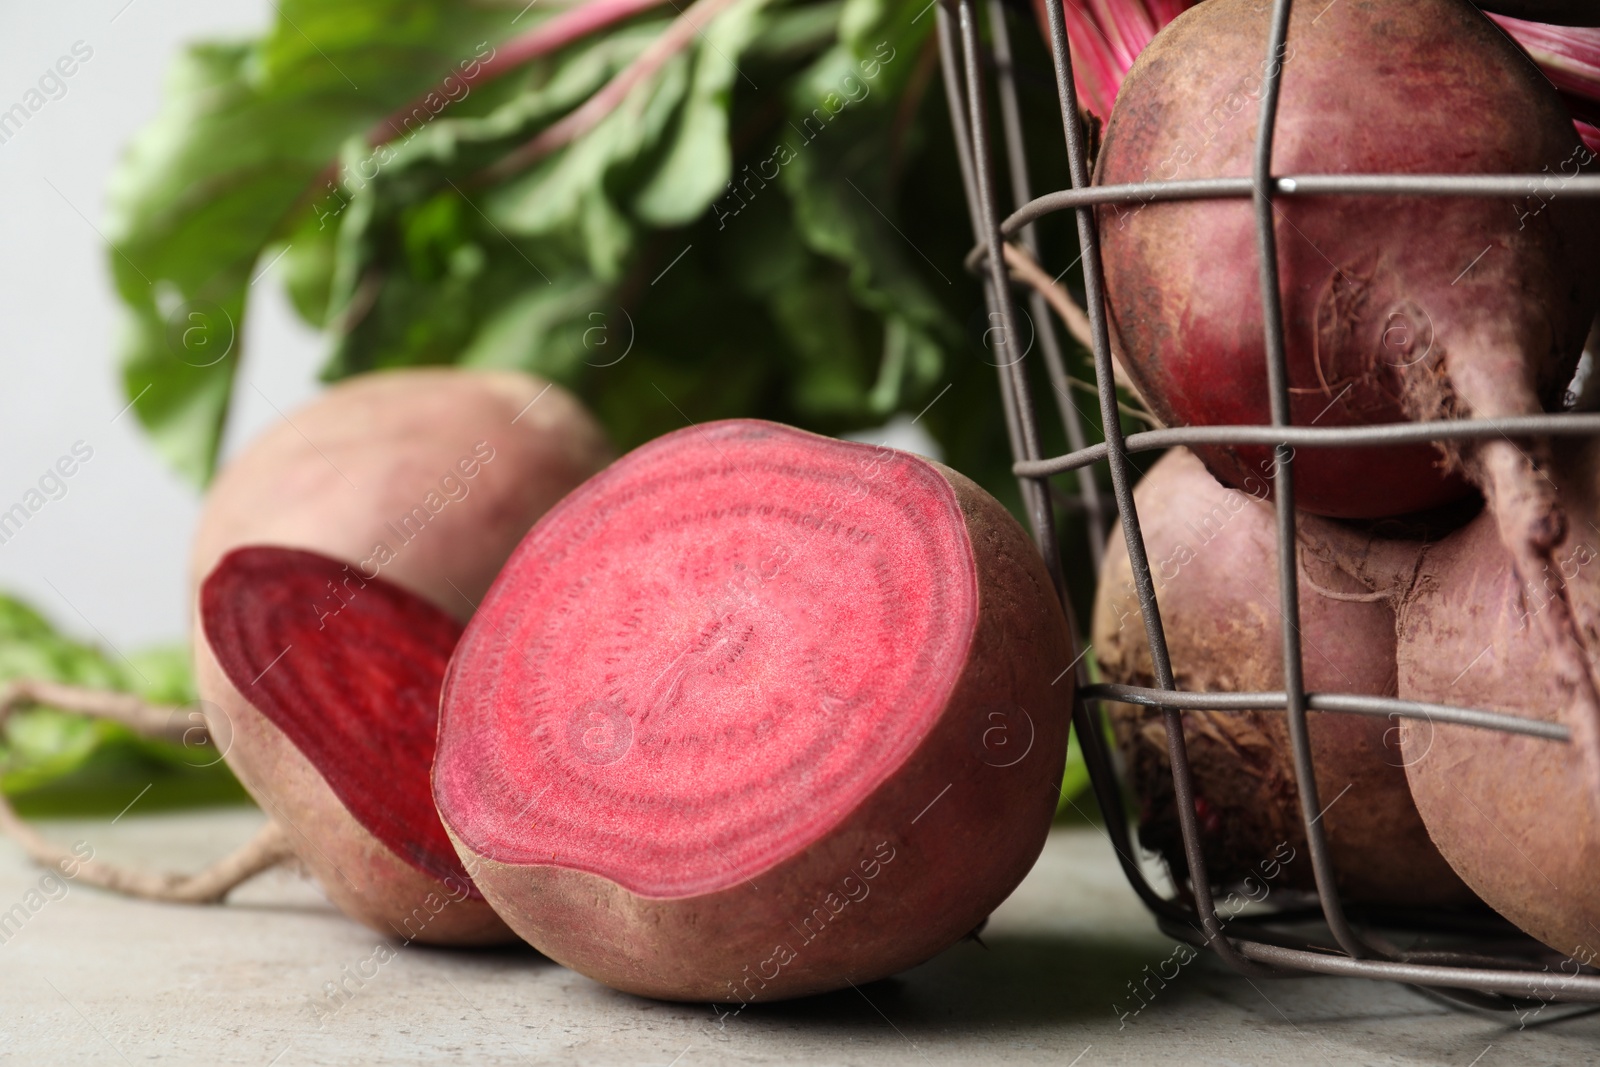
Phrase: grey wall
(106, 560)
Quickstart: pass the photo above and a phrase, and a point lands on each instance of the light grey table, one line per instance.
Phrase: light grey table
(90, 978)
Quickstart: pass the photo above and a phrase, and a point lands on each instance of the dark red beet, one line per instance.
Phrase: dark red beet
(1394, 307)
(330, 683)
(756, 713)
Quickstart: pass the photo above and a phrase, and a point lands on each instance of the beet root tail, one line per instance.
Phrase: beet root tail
(1532, 524)
(1496, 380)
(268, 849)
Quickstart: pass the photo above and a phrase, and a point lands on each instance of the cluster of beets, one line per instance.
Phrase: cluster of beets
(1463, 572)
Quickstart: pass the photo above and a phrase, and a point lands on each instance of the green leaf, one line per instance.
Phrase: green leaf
(842, 176)
(550, 245)
(425, 258)
(31, 648)
(698, 164)
(243, 133)
(41, 748)
(1074, 777)
(569, 191)
(550, 330)
(789, 252)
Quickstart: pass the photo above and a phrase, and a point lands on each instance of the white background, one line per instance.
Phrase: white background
(105, 562)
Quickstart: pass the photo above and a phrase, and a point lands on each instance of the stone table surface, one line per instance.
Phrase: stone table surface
(86, 977)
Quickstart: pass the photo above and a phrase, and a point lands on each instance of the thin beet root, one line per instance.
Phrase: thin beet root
(176, 725)
(268, 849)
(1213, 556)
(1395, 308)
(755, 714)
(333, 724)
(168, 723)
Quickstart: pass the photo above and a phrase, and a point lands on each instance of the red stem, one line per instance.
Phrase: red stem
(590, 113)
(1568, 55)
(554, 33)
(1107, 35)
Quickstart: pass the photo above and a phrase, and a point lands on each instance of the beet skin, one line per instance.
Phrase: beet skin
(1213, 556)
(1394, 308)
(423, 478)
(429, 477)
(756, 714)
(1516, 816)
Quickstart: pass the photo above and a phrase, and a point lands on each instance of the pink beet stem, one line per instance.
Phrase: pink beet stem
(1108, 35)
(1590, 135)
(1096, 72)
(589, 114)
(1568, 55)
(1128, 28)
(549, 36)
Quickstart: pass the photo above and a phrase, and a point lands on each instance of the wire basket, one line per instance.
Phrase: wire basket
(1496, 974)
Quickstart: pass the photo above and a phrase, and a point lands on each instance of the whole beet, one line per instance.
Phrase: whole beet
(374, 471)
(1394, 307)
(428, 479)
(1213, 557)
(1514, 815)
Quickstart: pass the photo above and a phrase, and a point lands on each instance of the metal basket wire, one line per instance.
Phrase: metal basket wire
(1495, 976)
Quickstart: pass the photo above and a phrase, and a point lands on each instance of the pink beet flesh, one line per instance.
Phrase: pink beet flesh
(706, 658)
(349, 670)
(754, 714)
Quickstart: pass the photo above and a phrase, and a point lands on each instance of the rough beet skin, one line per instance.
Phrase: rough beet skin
(755, 714)
(1213, 556)
(1516, 816)
(1395, 307)
(429, 477)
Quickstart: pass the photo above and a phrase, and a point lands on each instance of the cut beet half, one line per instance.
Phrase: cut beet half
(347, 670)
(748, 656)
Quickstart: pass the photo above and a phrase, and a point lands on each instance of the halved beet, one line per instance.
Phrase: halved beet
(756, 713)
(330, 684)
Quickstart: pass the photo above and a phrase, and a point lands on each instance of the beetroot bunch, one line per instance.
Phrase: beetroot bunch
(1394, 308)
(746, 714)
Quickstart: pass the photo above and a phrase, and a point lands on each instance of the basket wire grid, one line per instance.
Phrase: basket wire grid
(1489, 977)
